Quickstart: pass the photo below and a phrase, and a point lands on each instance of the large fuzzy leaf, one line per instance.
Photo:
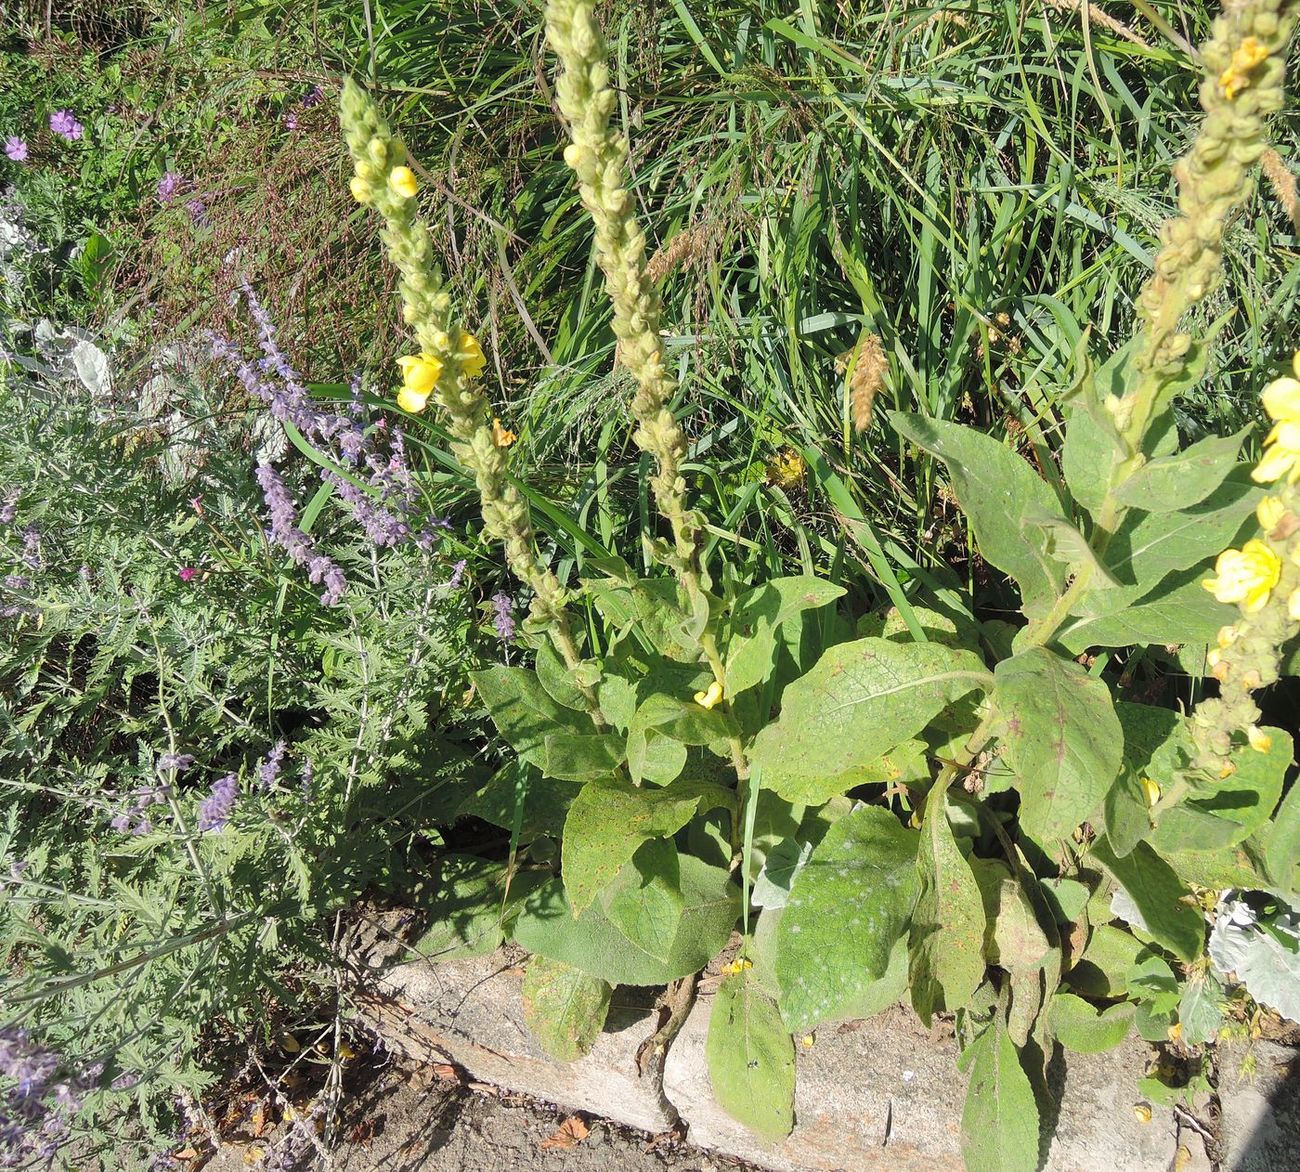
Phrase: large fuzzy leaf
(564, 1007)
(751, 1057)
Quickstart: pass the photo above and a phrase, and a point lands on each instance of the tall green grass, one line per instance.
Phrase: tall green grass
(978, 185)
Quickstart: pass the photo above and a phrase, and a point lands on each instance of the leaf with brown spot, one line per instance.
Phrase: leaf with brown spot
(1061, 738)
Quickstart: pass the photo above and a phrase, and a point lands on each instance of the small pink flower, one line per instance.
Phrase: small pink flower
(186, 573)
(196, 503)
(65, 125)
(16, 149)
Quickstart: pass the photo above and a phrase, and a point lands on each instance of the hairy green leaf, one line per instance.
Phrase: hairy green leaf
(1080, 1027)
(997, 491)
(999, 1124)
(710, 905)
(1168, 908)
(611, 818)
(751, 1057)
(564, 1008)
(860, 701)
(757, 617)
(1060, 736)
(644, 901)
(1169, 483)
(946, 938)
(848, 906)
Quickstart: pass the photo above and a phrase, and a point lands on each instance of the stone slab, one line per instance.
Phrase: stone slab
(470, 1013)
(886, 1094)
(1259, 1097)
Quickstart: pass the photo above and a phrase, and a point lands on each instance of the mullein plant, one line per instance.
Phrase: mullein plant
(597, 154)
(1263, 580)
(449, 361)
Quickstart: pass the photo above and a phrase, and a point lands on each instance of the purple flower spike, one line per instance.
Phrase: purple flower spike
(214, 810)
(65, 125)
(16, 149)
(505, 616)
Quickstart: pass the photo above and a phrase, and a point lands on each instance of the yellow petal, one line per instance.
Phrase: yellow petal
(1276, 462)
(503, 437)
(412, 401)
(711, 697)
(470, 355)
(1293, 606)
(1269, 512)
(402, 181)
(1281, 399)
(420, 374)
(361, 189)
(1151, 791)
(1260, 741)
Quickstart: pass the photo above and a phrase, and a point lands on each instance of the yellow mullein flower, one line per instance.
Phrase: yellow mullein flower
(470, 355)
(710, 698)
(1281, 454)
(402, 181)
(1151, 791)
(503, 437)
(737, 966)
(1293, 606)
(1250, 53)
(1281, 397)
(419, 377)
(1259, 740)
(1227, 637)
(1245, 576)
(362, 192)
(1269, 512)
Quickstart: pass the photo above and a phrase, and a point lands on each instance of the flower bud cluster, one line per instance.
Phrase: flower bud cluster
(597, 155)
(449, 359)
(1244, 63)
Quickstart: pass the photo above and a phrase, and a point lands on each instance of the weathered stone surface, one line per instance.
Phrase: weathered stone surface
(470, 1013)
(886, 1094)
(1259, 1094)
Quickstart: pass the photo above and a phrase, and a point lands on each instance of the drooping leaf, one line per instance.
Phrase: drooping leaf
(1280, 842)
(468, 906)
(564, 1008)
(999, 1124)
(946, 938)
(580, 758)
(611, 818)
(644, 901)
(1103, 969)
(556, 678)
(1147, 730)
(1169, 483)
(859, 702)
(1183, 613)
(1061, 738)
(1200, 1009)
(1080, 1027)
(751, 1058)
(710, 906)
(524, 712)
(758, 616)
(1086, 457)
(1148, 546)
(997, 490)
(1168, 908)
(846, 910)
(545, 802)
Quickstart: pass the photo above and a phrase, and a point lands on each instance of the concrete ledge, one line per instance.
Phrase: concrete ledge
(1259, 1096)
(470, 1013)
(883, 1093)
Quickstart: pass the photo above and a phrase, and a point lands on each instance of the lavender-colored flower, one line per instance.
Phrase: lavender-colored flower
(269, 770)
(504, 619)
(9, 506)
(65, 125)
(168, 186)
(313, 97)
(215, 809)
(32, 547)
(177, 761)
(198, 211)
(321, 570)
(34, 1108)
(16, 149)
(291, 121)
(457, 573)
(305, 776)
